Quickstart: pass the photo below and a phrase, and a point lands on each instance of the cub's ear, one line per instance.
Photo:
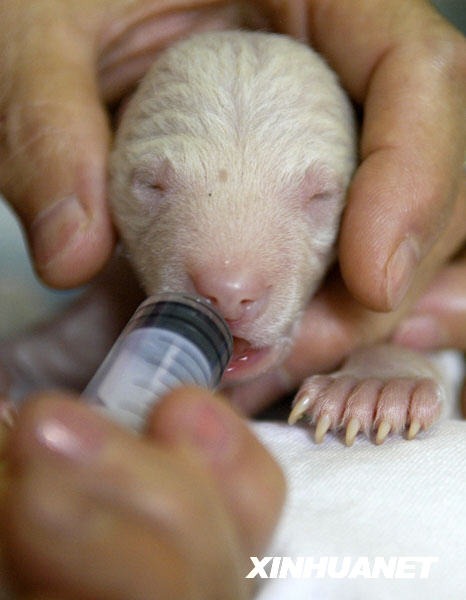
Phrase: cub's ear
(150, 181)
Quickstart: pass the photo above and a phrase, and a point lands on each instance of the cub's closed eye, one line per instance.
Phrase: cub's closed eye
(147, 188)
(158, 187)
(148, 192)
(150, 182)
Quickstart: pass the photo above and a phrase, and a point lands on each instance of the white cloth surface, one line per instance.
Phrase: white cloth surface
(403, 498)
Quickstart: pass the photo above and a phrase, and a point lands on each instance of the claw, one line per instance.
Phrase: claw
(352, 430)
(382, 432)
(299, 409)
(323, 425)
(413, 429)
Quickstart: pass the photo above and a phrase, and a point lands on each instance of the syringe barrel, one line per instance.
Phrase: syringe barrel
(171, 340)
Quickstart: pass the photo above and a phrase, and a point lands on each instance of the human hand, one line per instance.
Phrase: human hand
(93, 511)
(407, 67)
(66, 350)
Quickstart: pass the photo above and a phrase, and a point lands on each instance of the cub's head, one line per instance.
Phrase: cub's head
(229, 175)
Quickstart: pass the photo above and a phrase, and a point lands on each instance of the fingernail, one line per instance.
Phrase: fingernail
(71, 433)
(55, 227)
(400, 271)
(423, 332)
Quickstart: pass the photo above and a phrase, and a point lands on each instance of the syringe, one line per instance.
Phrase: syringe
(171, 340)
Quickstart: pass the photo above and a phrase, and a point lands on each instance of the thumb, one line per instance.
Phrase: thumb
(243, 470)
(53, 148)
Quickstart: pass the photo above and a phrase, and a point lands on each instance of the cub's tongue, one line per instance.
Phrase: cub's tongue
(246, 362)
(240, 348)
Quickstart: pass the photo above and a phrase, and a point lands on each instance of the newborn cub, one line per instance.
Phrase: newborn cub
(228, 180)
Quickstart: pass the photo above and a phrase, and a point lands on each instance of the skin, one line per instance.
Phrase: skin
(424, 198)
(188, 530)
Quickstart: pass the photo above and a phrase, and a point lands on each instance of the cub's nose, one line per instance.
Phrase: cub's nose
(237, 292)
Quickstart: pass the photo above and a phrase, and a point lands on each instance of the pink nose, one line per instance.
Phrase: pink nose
(236, 292)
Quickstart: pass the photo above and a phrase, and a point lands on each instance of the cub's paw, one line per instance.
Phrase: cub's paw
(374, 406)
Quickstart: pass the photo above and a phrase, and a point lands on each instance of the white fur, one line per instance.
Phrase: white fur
(219, 154)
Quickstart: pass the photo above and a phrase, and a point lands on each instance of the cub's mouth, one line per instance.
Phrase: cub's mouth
(249, 362)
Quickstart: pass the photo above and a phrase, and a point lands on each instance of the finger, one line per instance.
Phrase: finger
(69, 542)
(402, 195)
(439, 318)
(99, 314)
(138, 520)
(130, 46)
(53, 146)
(94, 550)
(287, 16)
(247, 476)
(134, 37)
